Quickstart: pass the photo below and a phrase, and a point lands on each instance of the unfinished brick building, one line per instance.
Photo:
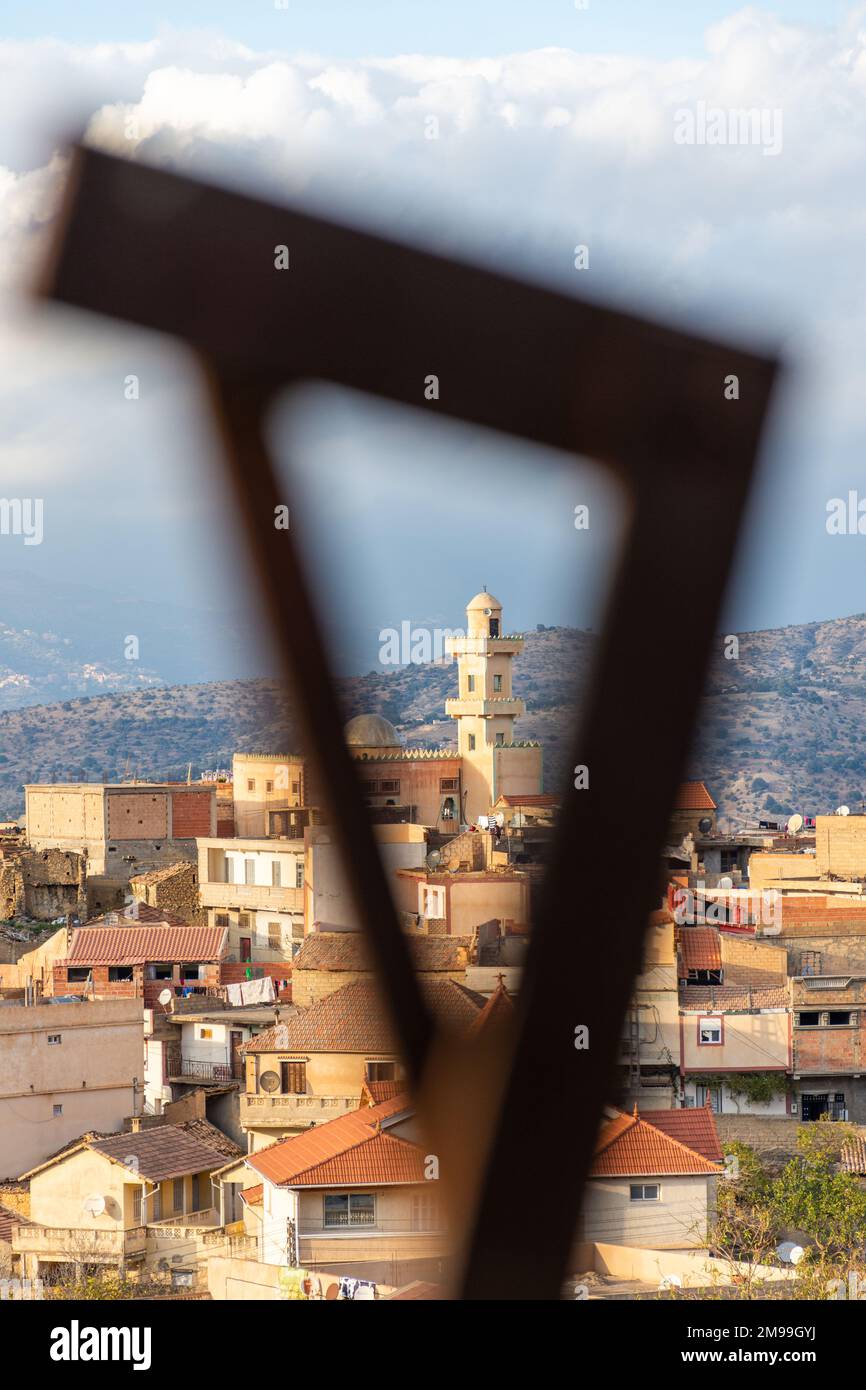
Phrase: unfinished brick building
(140, 962)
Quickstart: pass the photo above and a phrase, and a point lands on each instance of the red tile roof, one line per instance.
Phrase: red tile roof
(700, 947)
(253, 1195)
(135, 945)
(532, 799)
(353, 1149)
(631, 1147)
(355, 1019)
(693, 796)
(498, 1011)
(695, 1127)
(853, 1156)
(348, 950)
(374, 1092)
(166, 1151)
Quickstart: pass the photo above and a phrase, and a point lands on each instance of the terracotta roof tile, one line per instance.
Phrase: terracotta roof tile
(344, 1151)
(348, 950)
(166, 1151)
(853, 1156)
(693, 796)
(134, 945)
(695, 1127)
(355, 1019)
(374, 1092)
(701, 948)
(207, 1133)
(8, 1220)
(531, 799)
(637, 1148)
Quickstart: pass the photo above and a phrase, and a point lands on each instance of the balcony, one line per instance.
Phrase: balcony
(297, 1112)
(180, 1068)
(73, 1244)
(484, 707)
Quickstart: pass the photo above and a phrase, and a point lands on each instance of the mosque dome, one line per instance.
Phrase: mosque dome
(372, 731)
(482, 601)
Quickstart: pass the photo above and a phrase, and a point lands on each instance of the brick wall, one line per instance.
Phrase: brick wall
(191, 813)
(840, 846)
(754, 964)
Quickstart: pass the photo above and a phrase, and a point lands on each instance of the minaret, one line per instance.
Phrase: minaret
(485, 708)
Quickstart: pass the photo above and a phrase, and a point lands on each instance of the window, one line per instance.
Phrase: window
(710, 1032)
(730, 860)
(251, 784)
(293, 1078)
(350, 1209)
(644, 1192)
(381, 1071)
(54, 1039)
(120, 972)
(425, 1211)
(494, 627)
(448, 784)
(136, 1206)
(57, 1111)
(705, 977)
(221, 919)
(470, 743)
(809, 1019)
(296, 789)
(299, 873)
(838, 1018)
(78, 974)
(269, 786)
(470, 683)
(276, 874)
(161, 971)
(249, 871)
(243, 921)
(713, 1094)
(810, 962)
(500, 740)
(206, 1034)
(497, 684)
(177, 1194)
(275, 936)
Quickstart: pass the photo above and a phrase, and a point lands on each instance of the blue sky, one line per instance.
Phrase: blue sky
(358, 28)
(556, 128)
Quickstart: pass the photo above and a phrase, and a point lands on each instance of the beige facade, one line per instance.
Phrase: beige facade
(651, 1042)
(123, 828)
(840, 846)
(677, 1219)
(255, 888)
(65, 1069)
(35, 968)
(329, 1084)
(493, 762)
(265, 783)
(326, 898)
(715, 1041)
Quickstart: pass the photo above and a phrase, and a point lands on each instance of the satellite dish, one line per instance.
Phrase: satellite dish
(790, 1253)
(165, 997)
(795, 823)
(94, 1205)
(500, 819)
(842, 811)
(434, 859)
(269, 1081)
(705, 825)
(726, 882)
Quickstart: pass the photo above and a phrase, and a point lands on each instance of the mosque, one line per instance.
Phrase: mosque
(443, 788)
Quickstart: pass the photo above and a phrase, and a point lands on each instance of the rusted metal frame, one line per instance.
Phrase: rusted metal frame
(378, 317)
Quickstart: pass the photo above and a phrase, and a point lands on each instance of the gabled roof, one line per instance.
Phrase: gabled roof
(694, 1127)
(9, 1219)
(166, 1151)
(348, 950)
(355, 1019)
(351, 1150)
(137, 912)
(135, 945)
(498, 1011)
(540, 799)
(214, 1138)
(631, 1147)
(374, 1092)
(693, 796)
(701, 948)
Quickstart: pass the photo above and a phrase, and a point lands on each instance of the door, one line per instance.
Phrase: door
(814, 1106)
(236, 1038)
(246, 948)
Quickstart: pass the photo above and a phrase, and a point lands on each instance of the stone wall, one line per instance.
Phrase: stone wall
(174, 888)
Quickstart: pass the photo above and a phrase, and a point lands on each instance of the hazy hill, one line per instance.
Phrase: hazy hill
(783, 727)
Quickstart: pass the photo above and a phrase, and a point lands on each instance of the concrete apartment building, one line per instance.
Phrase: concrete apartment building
(254, 888)
(270, 793)
(123, 828)
(66, 1069)
(327, 905)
